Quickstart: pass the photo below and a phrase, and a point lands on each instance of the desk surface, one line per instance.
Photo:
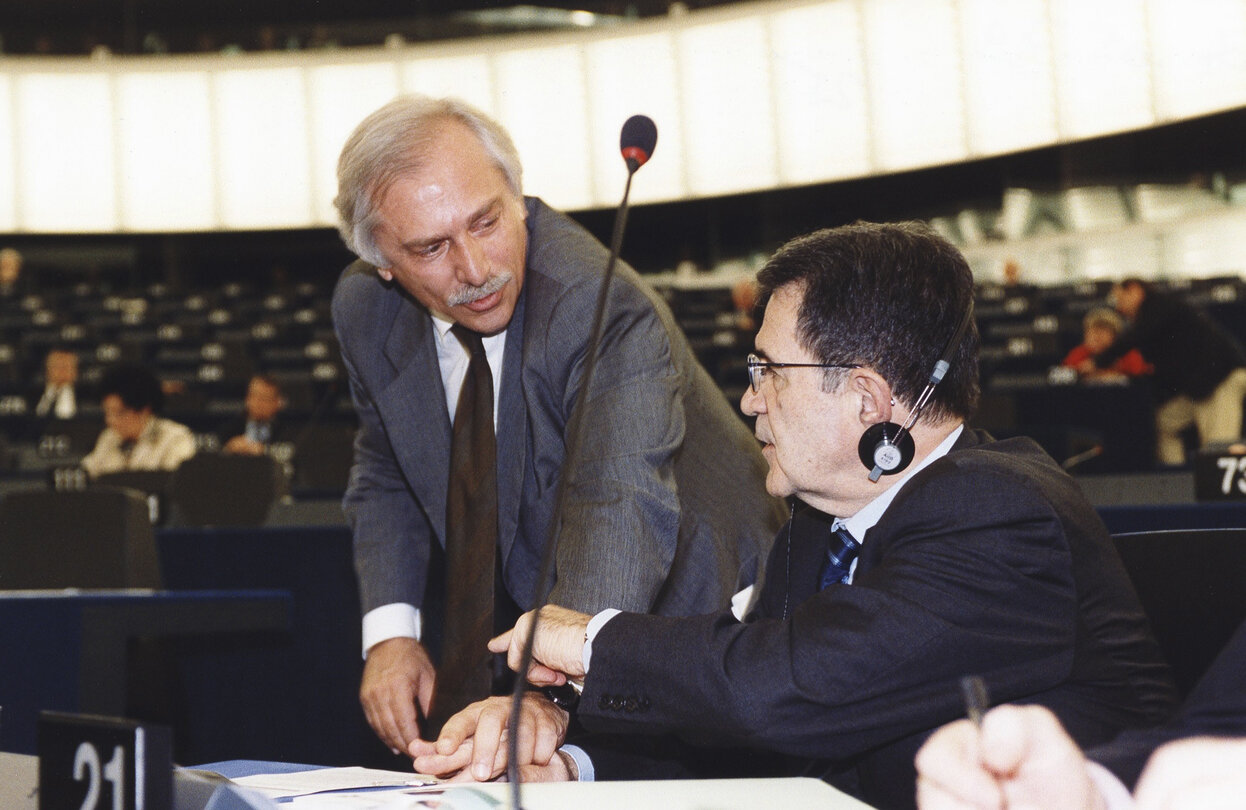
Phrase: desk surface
(19, 778)
(19, 781)
(691, 794)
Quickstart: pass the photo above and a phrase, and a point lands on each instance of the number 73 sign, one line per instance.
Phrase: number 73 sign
(1220, 476)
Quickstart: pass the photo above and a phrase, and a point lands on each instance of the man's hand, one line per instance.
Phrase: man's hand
(472, 745)
(1022, 757)
(397, 675)
(558, 653)
(1199, 773)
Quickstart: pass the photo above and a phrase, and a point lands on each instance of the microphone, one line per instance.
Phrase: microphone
(636, 143)
(1078, 458)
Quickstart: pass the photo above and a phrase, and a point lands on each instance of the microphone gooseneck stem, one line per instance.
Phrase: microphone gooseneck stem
(549, 554)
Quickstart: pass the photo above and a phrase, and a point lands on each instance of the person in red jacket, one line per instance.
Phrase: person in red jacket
(1099, 329)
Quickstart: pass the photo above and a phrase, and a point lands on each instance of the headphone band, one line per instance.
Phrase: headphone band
(940, 369)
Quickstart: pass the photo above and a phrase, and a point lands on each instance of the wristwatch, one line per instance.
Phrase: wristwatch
(565, 697)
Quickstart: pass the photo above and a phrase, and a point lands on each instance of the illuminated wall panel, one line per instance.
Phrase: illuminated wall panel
(8, 158)
(341, 95)
(727, 106)
(820, 101)
(1009, 88)
(745, 98)
(67, 167)
(627, 76)
(914, 82)
(542, 98)
(164, 123)
(264, 166)
(1103, 77)
(468, 76)
(1198, 55)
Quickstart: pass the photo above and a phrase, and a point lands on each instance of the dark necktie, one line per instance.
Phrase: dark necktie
(466, 670)
(840, 553)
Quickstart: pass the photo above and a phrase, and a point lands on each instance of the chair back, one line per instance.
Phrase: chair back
(1192, 585)
(100, 537)
(323, 457)
(154, 484)
(222, 489)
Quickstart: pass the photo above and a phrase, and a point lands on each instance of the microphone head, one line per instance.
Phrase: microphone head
(637, 140)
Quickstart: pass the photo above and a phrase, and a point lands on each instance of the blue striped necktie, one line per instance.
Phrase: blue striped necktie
(840, 553)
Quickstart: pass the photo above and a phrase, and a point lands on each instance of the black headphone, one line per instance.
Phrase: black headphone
(887, 448)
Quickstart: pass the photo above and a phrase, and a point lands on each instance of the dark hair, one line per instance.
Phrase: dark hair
(136, 385)
(268, 379)
(888, 297)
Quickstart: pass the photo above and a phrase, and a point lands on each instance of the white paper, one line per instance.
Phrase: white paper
(320, 780)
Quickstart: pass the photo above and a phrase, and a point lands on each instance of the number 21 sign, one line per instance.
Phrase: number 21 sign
(102, 763)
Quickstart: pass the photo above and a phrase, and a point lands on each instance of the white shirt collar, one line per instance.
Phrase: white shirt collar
(452, 358)
(872, 512)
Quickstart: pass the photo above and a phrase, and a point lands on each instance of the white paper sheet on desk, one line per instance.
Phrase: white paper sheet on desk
(320, 780)
(448, 797)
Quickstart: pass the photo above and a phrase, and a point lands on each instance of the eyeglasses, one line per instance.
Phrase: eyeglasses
(757, 366)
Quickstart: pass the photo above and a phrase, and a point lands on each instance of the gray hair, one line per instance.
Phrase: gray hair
(394, 141)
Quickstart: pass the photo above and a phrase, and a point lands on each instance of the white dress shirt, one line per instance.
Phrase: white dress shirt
(400, 619)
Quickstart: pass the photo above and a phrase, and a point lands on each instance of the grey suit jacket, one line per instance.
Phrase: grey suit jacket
(666, 510)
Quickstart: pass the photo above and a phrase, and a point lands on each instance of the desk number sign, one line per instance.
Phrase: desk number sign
(1220, 475)
(101, 763)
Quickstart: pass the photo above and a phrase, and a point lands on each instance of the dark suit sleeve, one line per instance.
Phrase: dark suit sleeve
(1215, 707)
(970, 574)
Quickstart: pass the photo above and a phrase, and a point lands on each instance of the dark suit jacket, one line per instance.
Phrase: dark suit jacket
(668, 510)
(1216, 707)
(282, 431)
(988, 561)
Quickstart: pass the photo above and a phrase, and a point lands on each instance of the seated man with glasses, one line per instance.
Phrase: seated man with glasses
(890, 582)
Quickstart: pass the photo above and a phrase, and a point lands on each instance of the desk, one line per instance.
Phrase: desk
(18, 778)
(68, 650)
(1067, 419)
(796, 793)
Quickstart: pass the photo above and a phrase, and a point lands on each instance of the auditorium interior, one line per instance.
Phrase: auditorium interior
(1048, 222)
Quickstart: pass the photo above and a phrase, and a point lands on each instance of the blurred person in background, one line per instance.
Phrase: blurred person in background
(10, 272)
(1099, 328)
(1200, 369)
(135, 436)
(58, 399)
(261, 425)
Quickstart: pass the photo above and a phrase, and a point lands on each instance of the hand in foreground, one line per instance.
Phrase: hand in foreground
(472, 745)
(1022, 757)
(397, 675)
(1199, 773)
(557, 654)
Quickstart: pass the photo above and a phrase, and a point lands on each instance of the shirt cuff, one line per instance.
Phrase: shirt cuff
(396, 620)
(594, 627)
(1115, 794)
(741, 603)
(582, 762)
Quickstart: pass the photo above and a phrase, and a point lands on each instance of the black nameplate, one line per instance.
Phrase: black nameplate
(1220, 476)
(102, 763)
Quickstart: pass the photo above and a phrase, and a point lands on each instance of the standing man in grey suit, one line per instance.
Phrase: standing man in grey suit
(667, 510)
